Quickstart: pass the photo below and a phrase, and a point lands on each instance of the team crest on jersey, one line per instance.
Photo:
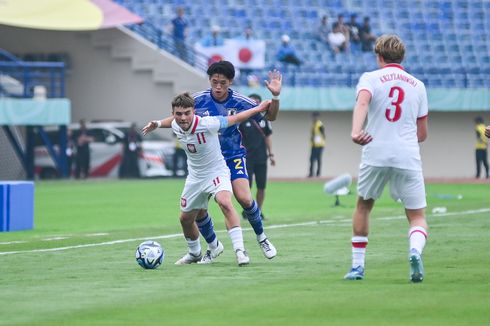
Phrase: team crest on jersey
(232, 111)
(183, 202)
(191, 148)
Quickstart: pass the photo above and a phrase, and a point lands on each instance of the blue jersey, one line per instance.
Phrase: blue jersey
(230, 137)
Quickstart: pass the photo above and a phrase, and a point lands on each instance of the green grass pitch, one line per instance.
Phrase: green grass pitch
(90, 277)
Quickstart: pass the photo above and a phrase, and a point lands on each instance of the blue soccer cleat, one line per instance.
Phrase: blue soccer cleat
(356, 273)
(416, 267)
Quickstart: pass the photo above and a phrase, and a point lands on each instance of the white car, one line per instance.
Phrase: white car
(106, 151)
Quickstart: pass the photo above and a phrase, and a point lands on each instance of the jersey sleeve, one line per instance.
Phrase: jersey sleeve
(213, 124)
(424, 105)
(364, 84)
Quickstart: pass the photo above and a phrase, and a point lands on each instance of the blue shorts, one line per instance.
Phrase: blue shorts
(237, 168)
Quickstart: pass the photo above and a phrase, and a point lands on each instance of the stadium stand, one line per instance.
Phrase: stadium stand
(447, 40)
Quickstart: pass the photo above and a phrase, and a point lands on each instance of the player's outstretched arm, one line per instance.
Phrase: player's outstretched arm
(274, 85)
(487, 131)
(244, 115)
(152, 125)
(359, 136)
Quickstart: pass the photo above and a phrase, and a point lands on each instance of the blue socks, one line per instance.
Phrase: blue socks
(253, 215)
(206, 228)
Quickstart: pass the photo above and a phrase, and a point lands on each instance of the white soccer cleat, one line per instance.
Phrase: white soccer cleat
(416, 267)
(356, 273)
(242, 257)
(189, 259)
(211, 254)
(268, 248)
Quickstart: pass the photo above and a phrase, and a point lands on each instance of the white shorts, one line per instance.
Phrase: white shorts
(405, 185)
(196, 194)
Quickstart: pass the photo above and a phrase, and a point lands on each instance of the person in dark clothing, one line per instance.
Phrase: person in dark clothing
(129, 167)
(82, 140)
(366, 36)
(256, 139)
(179, 160)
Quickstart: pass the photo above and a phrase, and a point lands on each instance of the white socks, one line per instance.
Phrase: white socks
(359, 245)
(194, 246)
(236, 237)
(417, 236)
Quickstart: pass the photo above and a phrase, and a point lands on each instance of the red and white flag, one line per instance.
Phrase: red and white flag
(242, 53)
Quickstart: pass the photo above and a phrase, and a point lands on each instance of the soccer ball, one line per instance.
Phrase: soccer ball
(150, 254)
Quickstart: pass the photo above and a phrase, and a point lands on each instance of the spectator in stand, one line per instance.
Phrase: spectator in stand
(323, 31)
(179, 32)
(337, 40)
(344, 29)
(481, 147)
(354, 37)
(287, 53)
(214, 39)
(129, 167)
(82, 140)
(366, 36)
(248, 34)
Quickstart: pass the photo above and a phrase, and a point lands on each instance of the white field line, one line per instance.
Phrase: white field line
(277, 226)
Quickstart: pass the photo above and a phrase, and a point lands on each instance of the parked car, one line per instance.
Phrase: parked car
(106, 151)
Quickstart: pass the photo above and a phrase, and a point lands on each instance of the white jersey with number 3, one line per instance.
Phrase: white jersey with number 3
(397, 100)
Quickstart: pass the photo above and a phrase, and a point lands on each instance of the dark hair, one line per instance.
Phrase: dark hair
(315, 114)
(184, 100)
(224, 68)
(256, 97)
(478, 120)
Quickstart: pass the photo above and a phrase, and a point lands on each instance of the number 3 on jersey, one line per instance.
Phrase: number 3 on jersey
(398, 95)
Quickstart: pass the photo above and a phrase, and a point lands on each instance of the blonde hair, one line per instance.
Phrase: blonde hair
(390, 47)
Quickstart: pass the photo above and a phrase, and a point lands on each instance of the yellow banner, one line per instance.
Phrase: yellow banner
(64, 14)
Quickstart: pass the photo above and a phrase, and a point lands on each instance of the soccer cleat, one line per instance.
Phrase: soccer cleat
(242, 257)
(189, 259)
(268, 248)
(356, 273)
(211, 254)
(416, 267)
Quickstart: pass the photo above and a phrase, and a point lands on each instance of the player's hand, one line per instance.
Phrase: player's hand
(274, 84)
(361, 138)
(487, 131)
(273, 161)
(150, 126)
(264, 105)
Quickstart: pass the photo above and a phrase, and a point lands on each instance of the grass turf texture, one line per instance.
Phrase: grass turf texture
(302, 285)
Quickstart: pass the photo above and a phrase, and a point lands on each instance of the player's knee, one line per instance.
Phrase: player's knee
(226, 206)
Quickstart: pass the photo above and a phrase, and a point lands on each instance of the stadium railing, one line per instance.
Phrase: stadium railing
(28, 75)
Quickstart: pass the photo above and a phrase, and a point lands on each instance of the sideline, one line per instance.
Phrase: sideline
(277, 226)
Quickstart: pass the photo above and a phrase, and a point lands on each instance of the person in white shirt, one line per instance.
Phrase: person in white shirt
(395, 105)
(208, 176)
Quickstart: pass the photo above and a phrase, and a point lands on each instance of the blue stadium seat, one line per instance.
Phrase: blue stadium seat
(446, 37)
